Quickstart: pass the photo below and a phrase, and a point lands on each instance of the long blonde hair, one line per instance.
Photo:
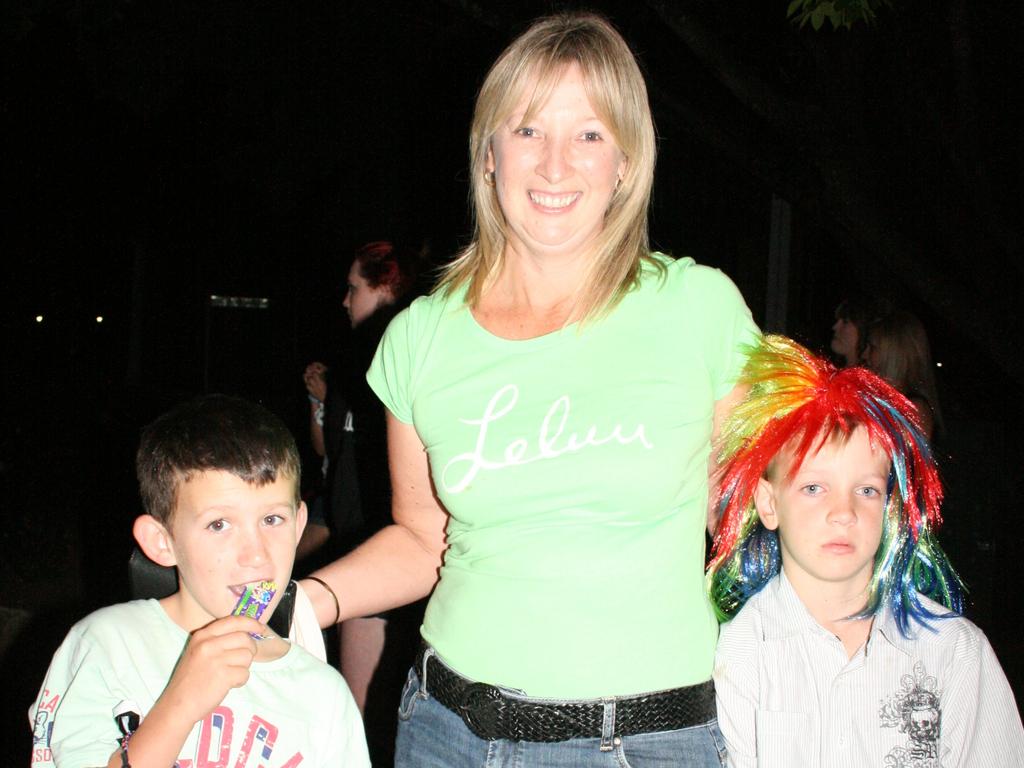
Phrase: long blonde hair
(616, 90)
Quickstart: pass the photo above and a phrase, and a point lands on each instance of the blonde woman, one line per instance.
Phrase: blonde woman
(550, 415)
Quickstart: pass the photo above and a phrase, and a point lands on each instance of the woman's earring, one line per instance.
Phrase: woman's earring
(489, 178)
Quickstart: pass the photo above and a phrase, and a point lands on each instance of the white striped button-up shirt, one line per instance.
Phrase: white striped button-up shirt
(789, 697)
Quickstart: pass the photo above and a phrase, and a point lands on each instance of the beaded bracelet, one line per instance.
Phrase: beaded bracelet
(124, 751)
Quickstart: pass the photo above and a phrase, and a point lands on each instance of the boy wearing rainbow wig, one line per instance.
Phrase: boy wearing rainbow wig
(843, 643)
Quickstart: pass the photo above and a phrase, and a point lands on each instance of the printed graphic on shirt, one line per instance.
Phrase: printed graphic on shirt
(215, 742)
(214, 747)
(554, 438)
(42, 727)
(915, 710)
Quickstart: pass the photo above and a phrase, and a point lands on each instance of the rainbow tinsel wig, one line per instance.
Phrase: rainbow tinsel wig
(798, 401)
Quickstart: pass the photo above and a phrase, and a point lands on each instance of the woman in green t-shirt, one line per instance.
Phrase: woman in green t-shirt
(551, 408)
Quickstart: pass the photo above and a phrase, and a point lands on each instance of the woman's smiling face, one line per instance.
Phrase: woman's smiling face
(555, 172)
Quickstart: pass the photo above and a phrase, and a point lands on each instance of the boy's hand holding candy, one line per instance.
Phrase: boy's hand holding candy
(216, 659)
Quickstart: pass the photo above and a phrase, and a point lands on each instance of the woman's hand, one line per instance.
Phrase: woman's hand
(315, 379)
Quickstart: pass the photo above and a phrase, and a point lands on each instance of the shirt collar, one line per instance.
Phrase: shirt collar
(886, 627)
(792, 619)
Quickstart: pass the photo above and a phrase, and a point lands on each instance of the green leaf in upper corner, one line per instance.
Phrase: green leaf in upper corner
(842, 14)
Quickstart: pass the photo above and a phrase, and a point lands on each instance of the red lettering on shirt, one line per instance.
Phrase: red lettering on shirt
(259, 730)
(214, 750)
(48, 705)
(215, 732)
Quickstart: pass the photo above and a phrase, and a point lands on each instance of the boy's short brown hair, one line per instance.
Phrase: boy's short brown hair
(212, 432)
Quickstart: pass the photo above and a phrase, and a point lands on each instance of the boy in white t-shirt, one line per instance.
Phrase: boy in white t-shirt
(180, 681)
(843, 644)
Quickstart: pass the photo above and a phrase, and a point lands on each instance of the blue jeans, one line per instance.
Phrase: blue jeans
(432, 736)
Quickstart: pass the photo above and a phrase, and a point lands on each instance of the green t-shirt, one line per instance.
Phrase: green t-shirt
(574, 470)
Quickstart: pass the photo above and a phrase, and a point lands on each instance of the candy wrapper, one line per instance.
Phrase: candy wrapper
(254, 601)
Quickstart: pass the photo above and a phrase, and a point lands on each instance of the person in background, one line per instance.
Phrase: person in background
(347, 426)
(550, 409)
(849, 332)
(318, 532)
(897, 349)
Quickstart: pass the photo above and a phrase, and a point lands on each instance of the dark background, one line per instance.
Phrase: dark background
(156, 154)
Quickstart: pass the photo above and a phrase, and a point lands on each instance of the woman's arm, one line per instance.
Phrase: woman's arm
(400, 563)
(723, 408)
(316, 428)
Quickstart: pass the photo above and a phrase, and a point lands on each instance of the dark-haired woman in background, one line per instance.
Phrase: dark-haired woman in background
(850, 330)
(348, 426)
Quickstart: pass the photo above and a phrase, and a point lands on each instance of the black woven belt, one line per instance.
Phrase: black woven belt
(491, 713)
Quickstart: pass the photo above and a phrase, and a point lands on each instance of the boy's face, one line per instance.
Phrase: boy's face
(829, 516)
(226, 534)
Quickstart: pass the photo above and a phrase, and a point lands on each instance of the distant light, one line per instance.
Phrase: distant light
(99, 318)
(39, 318)
(938, 365)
